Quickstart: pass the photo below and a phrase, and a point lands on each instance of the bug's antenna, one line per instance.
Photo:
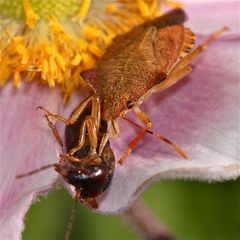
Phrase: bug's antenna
(37, 170)
(178, 150)
(71, 220)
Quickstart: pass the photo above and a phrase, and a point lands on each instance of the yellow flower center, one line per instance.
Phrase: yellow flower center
(52, 41)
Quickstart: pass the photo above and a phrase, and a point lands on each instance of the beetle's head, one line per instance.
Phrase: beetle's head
(91, 179)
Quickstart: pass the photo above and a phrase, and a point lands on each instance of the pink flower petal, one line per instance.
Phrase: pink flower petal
(206, 16)
(200, 114)
(26, 144)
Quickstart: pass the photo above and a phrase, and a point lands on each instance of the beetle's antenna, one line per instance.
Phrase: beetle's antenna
(37, 170)
(71, 220)
(177, 149)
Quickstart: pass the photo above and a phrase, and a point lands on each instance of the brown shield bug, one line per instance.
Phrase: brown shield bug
(147, 59)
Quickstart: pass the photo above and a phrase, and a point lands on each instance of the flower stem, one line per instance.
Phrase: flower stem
(145, 223)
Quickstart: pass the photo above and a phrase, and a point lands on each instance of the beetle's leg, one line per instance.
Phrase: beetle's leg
(143, 117)
(182, 68)
(73, 118)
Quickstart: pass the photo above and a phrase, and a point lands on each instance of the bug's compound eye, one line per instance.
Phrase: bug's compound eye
(130, 104)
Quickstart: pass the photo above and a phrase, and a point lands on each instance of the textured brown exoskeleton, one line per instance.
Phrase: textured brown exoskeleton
(149, 58)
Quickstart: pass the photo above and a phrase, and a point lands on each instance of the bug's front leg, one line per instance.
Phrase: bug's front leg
(91, 123)
(144, 118)
(74, 116)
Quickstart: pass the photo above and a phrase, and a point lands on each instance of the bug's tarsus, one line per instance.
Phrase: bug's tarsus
(177, 149)
(37, 170)
(214, 35)
(71, 220)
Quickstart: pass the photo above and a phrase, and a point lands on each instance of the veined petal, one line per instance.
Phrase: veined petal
(26, 144)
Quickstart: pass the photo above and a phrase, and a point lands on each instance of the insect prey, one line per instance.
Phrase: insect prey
(81, 165)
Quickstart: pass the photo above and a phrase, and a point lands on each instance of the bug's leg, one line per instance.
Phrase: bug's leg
(177, 149)
(92, 133)
(105, 138)
(81, 141)
(96, 112)
(182, 68)
(73, 118)
(95, 117)
(55, 132)
(143, 117)
(174, 76)
(199, 49)
(91, 128)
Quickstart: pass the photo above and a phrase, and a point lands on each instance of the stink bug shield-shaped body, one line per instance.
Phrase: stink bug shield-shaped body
(149, 58)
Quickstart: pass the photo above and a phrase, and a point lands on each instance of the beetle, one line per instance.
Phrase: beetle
(86, 170)
(149, 58)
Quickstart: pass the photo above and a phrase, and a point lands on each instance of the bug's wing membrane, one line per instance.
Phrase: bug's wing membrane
(171, 44)
(173, 17)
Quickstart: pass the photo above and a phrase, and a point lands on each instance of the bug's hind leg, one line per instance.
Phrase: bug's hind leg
(182, 68)
(143, 117)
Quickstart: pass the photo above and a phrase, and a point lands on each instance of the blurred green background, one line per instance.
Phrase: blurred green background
(189, 209)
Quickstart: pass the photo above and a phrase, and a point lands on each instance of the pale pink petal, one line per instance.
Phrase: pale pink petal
(26, 143)
(207, 16)
(200, 114)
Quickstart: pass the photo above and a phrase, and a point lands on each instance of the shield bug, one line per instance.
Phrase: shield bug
(147, 59)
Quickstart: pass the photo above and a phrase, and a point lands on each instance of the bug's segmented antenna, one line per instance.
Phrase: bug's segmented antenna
(71, 220)
(37, 170)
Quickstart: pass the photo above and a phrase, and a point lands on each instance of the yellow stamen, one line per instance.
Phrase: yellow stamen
(143, 8)
(111, 8)
(95, 50)
(41, 41)
(91, 33)
(31, 16)
(173, 4)
(76, 60)
(83, 11)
